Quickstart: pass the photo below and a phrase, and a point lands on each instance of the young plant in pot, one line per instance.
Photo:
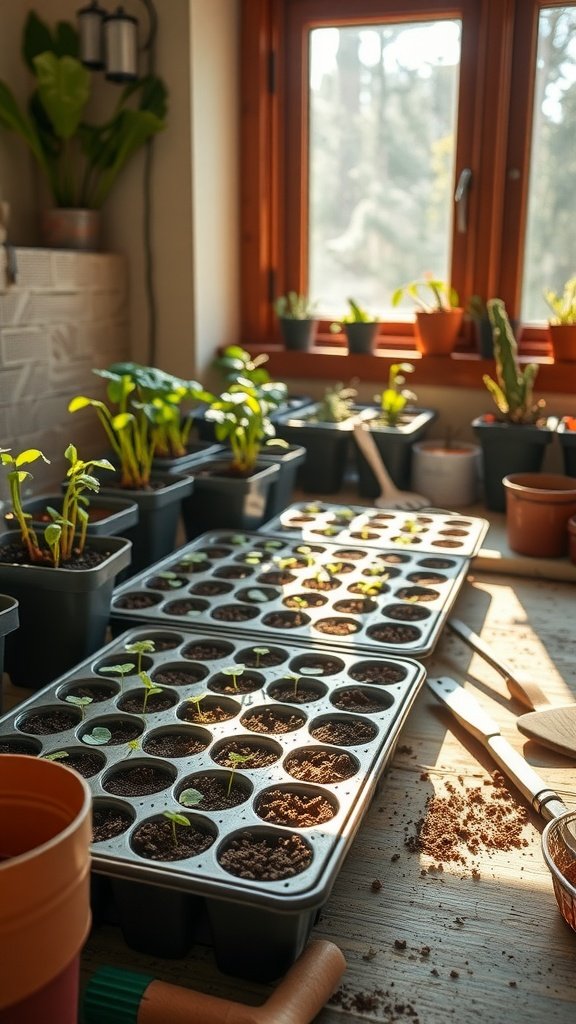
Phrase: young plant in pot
(63, 580)
(360, 328)
(438, 316)
(562, 324)
(395, 424)
(128, 428)
(297, 321)
(232, 490)
(514, 439)
(79, 161)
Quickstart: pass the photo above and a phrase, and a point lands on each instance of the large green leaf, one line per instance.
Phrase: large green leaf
(64, 91)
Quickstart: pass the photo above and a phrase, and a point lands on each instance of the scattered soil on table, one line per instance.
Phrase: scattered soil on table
(210, 588)
(390, 634)
(174, 744)
(377, 1001)
(186, 676)
(86, 763)
(140, 780)
(285, 620)
(234, 613)
(97, 694)
(185, 605)
(108, 822)
(165, 582)
(376, 672)
(337, 627)
(355, 699)
(297, 810)
(269, 720)
(215, 795)
(133, 702)
(257, 756)
(155, 841)
(276, 579)
(469, 820)
(406, 612)
(206, 650)
(302, 693)
(43, 723)
(246, 682)
(135, 601)
(266, 859)
(321, 766)
(348, 733)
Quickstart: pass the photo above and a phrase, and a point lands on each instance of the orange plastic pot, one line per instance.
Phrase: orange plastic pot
(45, 835)
(538, 508)
(435, 333)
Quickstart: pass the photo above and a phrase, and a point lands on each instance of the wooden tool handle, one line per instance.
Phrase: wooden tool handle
(528, 693)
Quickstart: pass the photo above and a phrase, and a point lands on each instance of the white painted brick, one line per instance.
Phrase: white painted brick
(63, 271)
(23, 345)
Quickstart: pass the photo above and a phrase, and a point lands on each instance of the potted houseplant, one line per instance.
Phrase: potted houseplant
(62, 580)
(438, 316)
(323, 429)
(562, 324)
(128, 427)
(395, 424)
(514, 439)
(297, 321)
(360, 328)
(231, 490)
(79, 161)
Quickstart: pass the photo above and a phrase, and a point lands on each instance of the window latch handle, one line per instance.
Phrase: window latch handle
(461, 199)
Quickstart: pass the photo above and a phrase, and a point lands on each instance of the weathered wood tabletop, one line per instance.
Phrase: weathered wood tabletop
(481, 939)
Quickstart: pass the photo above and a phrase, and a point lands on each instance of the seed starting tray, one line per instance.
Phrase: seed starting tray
(258, 927)
(426, 530)
(342, 595)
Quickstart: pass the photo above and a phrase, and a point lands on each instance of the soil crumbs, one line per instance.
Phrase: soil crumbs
(376, 1001)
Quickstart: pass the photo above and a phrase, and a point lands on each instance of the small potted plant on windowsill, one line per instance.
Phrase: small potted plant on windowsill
(360, 328)
(514, 439)
(297, 320)
(395, 424)
(562, 325)
(62, 580)
(438, 318)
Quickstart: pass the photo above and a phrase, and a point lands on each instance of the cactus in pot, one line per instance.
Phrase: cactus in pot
(513, 390)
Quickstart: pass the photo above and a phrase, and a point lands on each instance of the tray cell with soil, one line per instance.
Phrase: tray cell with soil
(333, 592)
(143, 701)
(19, 745)
(263, 811)
(236, 680)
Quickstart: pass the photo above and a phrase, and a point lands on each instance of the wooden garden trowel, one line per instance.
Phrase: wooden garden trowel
(553, 726)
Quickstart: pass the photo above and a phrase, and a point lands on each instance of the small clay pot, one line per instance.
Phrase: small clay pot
(538, 508)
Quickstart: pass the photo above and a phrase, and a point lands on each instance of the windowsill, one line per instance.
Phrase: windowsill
(459, 370)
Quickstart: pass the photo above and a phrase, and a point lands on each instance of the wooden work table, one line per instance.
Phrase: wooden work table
(433, 946)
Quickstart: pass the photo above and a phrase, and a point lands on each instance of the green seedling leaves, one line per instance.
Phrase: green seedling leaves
(234, 671)
(256, 595)
(236, 760)
(260, 652)
(98, 737)
(176, 819)
(79, 702)
(197, 701)
(190, 797)
(58, 755)
(149, 688)
(132, 746)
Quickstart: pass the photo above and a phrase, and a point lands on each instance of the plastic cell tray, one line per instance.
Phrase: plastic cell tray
(257, 927)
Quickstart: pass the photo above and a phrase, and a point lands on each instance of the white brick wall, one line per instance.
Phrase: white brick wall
(65, 316)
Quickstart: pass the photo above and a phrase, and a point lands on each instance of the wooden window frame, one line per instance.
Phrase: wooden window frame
(499, 44)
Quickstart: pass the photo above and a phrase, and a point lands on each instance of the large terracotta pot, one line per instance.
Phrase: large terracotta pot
(538, 508)
(45, 835)
(435, 333)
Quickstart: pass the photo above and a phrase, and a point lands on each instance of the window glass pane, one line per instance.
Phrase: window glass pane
(383, 108)
(550, 251)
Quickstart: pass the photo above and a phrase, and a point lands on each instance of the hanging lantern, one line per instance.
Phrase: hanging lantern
(121, 46)
(90, 26)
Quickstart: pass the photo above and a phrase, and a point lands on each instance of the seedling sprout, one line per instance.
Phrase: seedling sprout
(132, 746)
(140, 647)
(120, 670)
(196, 701)
(234, 671)
(79, 702)
(260, 652)
(295, 677)
(98, 737)
(150, 688)
(235, 760)
(176, 819)
(190, 797)
(57, 755)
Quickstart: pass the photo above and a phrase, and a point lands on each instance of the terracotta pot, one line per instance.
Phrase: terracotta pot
(538, 508)
(449, 477)
(45, 835)
(572, 539)
(436, 333)
(563, 341)
(66, 228)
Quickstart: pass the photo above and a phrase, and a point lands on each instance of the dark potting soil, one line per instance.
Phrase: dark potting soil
(42, 723)
(10, 746)
(436, 563)
(298, 810)
(321, 766)
(97, 694)
(215, 795)
(365, 534)
(276, 579)
(186, 676)
(88, 559)
(253, 659)
(373, 589)
(356, 699)
(245, 682)
(108, 822)
(209, 713)
(417, 594)
(350, 554)
(376, 672)
(155, 841)
(338, 568)
(269, 720)
(122, 732)
(305, 601)
(206, 650)
(445, 543)
(300, 693)
(165, 643)
(174, 744)
(321, 584)
(266, 859)
(210, 588)
(285, 620)
(136, 703)
(257, 756)
(135, 600)
(427, 579)
(234, 613)
(347, 734)
(351, 606)
(406, 612)
(387, 633)
(381, 572)
(337, 627)
(167, 582)
(201, 565)
(140, 780)
(234, 572)
(86, 764)
(185, 605)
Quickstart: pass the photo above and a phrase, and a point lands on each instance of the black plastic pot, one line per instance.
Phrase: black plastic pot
(63, 613)
(567, 440)
(282, 487)
(327, 447)
(258, 923)
(361, 338)
(196, 452)
(8, 623)
(224, 501)
(508, 448)
(395, 447)
(159, 510)
(113, 516)
(297, 335)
